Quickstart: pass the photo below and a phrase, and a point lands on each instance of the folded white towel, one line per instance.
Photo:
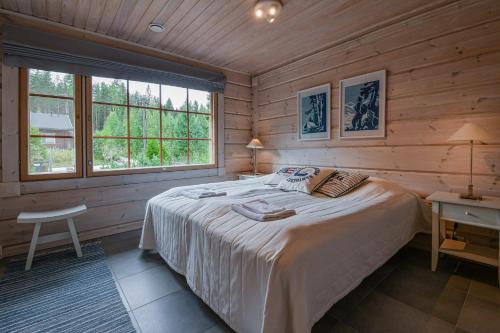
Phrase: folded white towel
(261, 206)
(200, 193)
(238, 208)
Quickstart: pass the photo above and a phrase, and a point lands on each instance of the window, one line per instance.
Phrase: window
(50, 135)
(131, 126)
(136, 126)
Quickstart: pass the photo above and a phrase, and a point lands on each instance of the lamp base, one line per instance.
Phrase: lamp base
(470, 194)
(470, 197)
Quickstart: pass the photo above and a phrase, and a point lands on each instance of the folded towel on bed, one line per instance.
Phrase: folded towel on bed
(200, 193)
(240, 209)
(261, 206)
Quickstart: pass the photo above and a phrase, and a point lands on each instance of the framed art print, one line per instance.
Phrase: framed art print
(362, 106)
(313, 113)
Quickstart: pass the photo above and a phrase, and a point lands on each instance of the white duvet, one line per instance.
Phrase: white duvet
(279, 276)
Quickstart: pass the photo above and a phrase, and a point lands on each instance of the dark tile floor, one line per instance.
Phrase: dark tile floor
(401, 296)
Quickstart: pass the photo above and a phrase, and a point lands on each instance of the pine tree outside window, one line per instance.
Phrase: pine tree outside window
(138, 126)
(131, 126)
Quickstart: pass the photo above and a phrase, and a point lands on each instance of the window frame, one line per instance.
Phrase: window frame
(155, 169)
(83, 136)
(24, 131)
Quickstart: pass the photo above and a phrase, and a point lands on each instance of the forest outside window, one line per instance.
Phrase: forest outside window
(138, 126)
(131, 127)
(50, 135)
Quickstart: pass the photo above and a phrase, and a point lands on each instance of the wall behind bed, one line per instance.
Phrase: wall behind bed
(116, 203)
(443, 69)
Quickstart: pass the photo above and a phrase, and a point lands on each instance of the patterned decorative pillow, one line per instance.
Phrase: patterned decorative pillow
(340, 183)
(306, 179)
(281, 174)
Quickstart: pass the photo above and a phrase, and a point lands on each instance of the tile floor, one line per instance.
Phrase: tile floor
(401, 296)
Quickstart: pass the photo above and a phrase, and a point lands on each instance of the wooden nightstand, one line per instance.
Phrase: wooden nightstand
(243, 176)
(480, 213)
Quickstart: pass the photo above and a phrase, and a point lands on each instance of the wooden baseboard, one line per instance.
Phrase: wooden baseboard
(22, 248)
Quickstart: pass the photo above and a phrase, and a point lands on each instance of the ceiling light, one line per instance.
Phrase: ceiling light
(269, 9)
(156, 27)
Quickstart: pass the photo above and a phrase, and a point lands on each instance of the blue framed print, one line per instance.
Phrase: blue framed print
(313, 113)
(362, 106)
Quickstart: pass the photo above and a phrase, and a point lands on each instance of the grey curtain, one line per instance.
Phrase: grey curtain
(25, 47)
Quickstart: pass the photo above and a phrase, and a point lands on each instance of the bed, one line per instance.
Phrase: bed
(279, 276)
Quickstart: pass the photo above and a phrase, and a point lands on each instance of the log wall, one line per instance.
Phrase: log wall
(443, 69)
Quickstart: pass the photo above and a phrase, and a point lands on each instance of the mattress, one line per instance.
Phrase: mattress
(279, 276)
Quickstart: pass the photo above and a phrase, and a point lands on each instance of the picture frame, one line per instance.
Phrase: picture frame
(314, 113)
(362, 106)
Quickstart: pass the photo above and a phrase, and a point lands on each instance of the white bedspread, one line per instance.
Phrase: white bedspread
(279, 276)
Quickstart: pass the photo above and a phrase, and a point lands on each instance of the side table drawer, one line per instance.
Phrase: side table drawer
(485, 217)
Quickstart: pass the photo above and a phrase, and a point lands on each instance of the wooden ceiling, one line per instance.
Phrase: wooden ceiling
(225, 33)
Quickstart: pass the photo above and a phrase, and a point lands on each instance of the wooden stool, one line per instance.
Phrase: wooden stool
(51, 216)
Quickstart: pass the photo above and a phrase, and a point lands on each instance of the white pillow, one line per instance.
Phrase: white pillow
(306, 179)
(281, 174)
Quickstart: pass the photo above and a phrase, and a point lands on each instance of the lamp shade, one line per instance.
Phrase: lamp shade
(470, 132)
(255, 144)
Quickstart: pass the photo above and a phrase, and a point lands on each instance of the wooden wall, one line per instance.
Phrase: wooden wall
(443, 70)
(116, 203)
(237, 123)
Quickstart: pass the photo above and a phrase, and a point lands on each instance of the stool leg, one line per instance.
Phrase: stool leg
(31, 253)
(74, 236)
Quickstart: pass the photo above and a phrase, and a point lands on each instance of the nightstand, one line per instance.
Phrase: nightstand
(480, 213)
(243, 176)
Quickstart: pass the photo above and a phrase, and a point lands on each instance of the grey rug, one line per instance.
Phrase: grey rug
(62, 293)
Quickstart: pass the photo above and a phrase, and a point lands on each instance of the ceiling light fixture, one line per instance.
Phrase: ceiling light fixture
(156, 27)
(269, 9)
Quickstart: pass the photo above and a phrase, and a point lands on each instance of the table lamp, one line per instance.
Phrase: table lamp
(471, 133)
(255, 144)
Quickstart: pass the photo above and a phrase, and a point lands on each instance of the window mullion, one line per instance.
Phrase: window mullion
(161, 129)
(128, 125)
(188, 134)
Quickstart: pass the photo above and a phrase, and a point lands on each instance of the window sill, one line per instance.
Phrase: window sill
(151, 170)
(117, 180)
